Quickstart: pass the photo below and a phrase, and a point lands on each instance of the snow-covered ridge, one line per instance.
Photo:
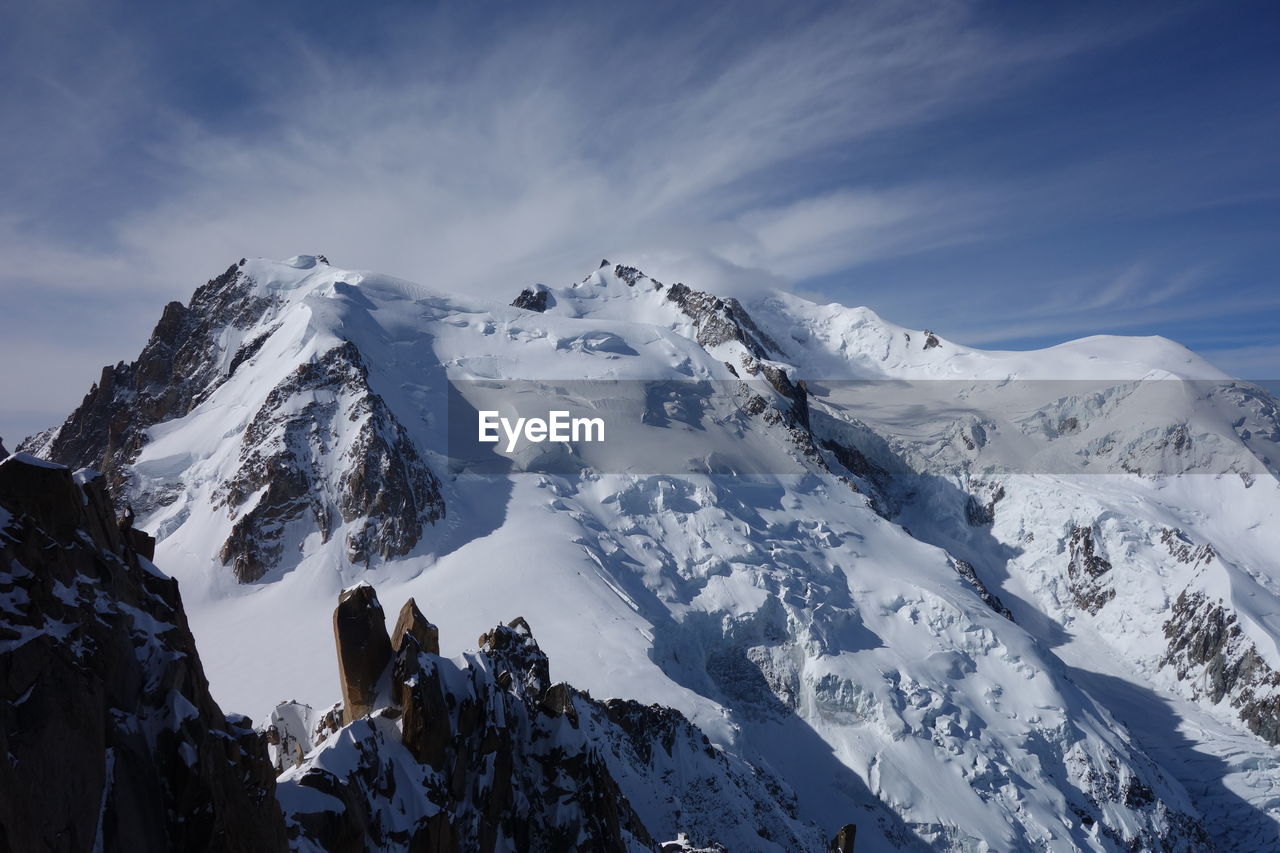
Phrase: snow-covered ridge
(832, 617)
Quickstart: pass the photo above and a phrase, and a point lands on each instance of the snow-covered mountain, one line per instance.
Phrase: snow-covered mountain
(961, 599)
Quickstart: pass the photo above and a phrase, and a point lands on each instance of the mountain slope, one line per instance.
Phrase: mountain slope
(736, 548)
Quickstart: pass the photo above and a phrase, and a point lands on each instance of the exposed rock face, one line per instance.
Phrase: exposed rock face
(532, 300)
(177, 369)
(1209, 651)
(719, 320)
(485, 753)
(1184, 550)
(855, 461)
(864, 475)
(364, 649)
(631, 275)
(1086, 571)
(524, 661)
(112, 738)
(688, 784)
(412, 625)
(4, 454)
(715, 320)
(503, 774)
(966, 571)
(289, 453)
(983, 514)
(843, 842)
(1160, 450)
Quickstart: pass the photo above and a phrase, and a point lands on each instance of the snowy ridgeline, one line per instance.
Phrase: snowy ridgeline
(955, 597)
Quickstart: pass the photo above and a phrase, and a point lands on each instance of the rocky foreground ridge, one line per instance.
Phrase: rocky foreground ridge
(486, 752)
(111, 739)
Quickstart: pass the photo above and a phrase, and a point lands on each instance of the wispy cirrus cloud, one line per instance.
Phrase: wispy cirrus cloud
(558, 143)
(734, 147)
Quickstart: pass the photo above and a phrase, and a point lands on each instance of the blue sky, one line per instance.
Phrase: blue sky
(1009, 175)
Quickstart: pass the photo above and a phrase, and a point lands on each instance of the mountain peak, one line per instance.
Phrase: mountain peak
(320, 444)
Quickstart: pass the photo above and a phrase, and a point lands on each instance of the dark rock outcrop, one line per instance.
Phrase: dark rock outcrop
(843, 841)
(503, 774)
(797, 413)
(863, 474)
(1184, 550)
(983, 514)
(704, 789)
(364, 649)
(631, 275)
(112, 739)
(1087, 570)
(1209, 650)
(532, 299)
(719, 320)
(715, 320)
(966, 571)
(514, 646)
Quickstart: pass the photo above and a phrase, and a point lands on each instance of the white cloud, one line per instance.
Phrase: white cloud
(500, 157)
(1260, 362)
(839, 230)
(562, 145)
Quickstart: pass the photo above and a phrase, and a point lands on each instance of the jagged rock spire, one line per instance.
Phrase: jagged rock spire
(364, 649)
(412, 624)
(843, 841)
